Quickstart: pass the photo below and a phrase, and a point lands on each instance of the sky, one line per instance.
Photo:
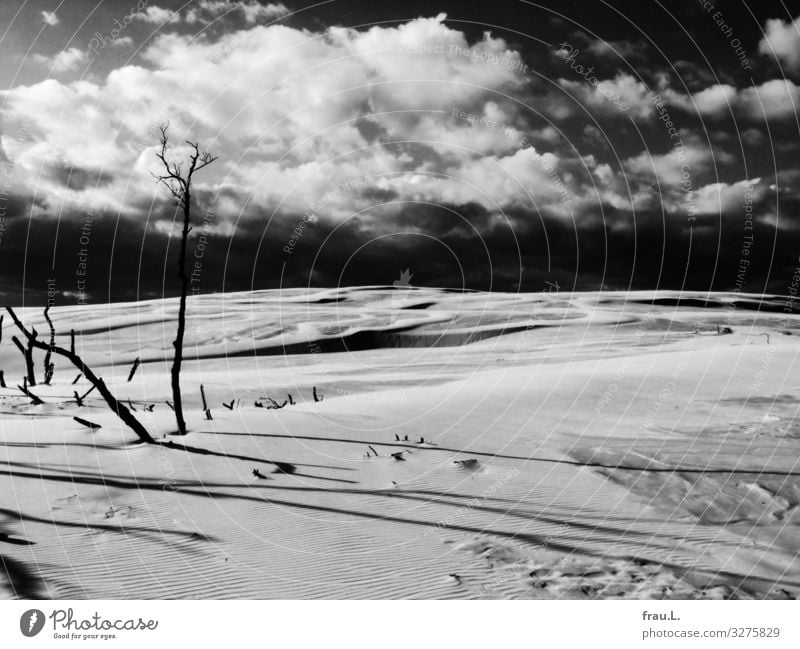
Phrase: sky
(506, 145)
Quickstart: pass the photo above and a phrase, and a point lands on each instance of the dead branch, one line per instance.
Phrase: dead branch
(76, 379)
(133, 369)
(122, 412)
(49, 367)
(36, 400)
(205, 405)
(79, 398)
(27, 354)
(87, 423)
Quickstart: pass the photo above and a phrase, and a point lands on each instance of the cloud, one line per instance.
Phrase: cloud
(206, 12)
(123, 41)
(50, 18)
(293, 114)
(155, 15)
(775, 99)
(376, 131)
(621, 96)
(781, 41)
(64, 61)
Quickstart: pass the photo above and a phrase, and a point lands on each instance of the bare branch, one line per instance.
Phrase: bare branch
(116, 406)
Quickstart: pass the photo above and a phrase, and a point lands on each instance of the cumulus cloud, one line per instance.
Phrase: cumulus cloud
(781, 41)
(774, 99)
(65, 61)
(156, 15)
(621, 96)
(291, 114)
(50, 18)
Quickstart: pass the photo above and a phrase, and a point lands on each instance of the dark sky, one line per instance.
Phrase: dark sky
(484, 145)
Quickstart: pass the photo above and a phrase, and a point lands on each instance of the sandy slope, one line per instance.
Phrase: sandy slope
(588, 445)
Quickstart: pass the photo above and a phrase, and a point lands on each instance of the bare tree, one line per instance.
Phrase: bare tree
(179, 185)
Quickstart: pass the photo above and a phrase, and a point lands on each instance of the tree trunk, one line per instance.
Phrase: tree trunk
(178, 343)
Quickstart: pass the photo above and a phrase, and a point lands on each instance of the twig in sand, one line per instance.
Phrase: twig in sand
(27, 353)
(87, 423)
(317, 398)
(2, 379)
(36, 400)
(229, 406)
(49, 367)
(76, 379)
(79, 398)
(205, 405)
(373, 450)
(291, 401)
(133, 369)
(274, 405)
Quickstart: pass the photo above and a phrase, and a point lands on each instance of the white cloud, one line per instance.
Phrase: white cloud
(50, 18)
(620, 96)
(781, 41)
(208, 11)
(774, 99)
(64, 61)
(122, 41)
(293, 114)
(155, 15)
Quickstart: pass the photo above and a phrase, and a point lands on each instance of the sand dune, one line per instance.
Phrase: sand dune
(468, 445)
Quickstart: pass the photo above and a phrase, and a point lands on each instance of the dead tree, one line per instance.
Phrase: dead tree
(49, 367)
(179, 185)
(119, 408)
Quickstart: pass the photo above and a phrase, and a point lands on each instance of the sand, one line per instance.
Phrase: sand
(467, 445)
